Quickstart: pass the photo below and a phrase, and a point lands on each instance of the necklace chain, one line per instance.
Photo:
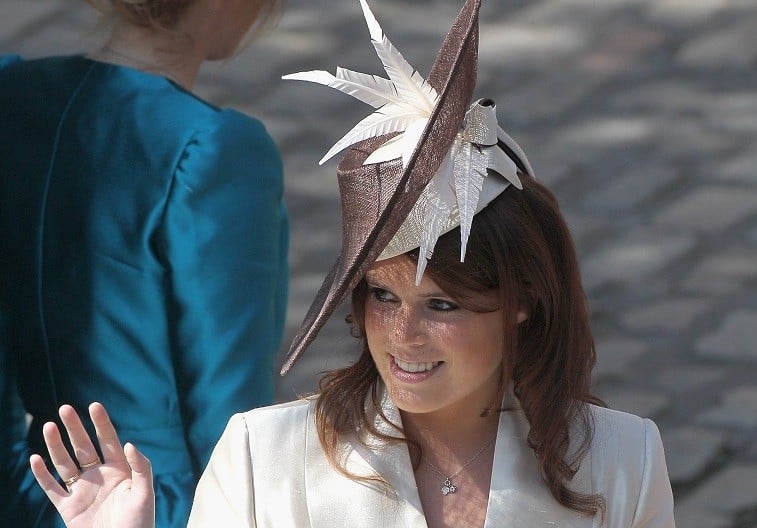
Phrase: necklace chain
(448, 486)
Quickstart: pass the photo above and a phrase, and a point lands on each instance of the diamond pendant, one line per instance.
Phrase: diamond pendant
(448, 487)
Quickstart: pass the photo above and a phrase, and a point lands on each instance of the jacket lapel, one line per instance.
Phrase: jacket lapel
(364, 503)
(518, 496)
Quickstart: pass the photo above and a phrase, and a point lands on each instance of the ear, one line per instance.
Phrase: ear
(526, 299)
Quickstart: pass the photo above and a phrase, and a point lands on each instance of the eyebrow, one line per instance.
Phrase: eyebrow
(438, 293)
(378, 284)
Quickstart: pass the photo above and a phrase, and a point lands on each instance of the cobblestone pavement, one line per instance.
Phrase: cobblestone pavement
(640, 115)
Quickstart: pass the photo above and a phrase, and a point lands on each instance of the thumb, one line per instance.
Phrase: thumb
(141, 470)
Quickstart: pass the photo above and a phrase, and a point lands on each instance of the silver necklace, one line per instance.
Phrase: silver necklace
(448, 486)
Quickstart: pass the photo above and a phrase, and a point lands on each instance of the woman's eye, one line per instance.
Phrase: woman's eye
(381, 295)
(441, 305)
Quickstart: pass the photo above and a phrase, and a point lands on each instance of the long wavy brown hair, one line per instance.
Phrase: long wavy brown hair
(519, 249)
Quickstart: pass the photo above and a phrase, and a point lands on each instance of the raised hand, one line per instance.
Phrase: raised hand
(113, 493)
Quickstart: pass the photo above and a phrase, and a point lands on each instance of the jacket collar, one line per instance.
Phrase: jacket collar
(517, 495)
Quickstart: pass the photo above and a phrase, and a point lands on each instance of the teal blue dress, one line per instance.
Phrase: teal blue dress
(143, 264)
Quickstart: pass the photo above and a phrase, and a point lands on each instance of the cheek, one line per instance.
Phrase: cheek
(483, 362)
(488, 343)
(377, 321)
(377, 334)
(378, 315)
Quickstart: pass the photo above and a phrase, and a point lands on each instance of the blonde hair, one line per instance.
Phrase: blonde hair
(166, 14)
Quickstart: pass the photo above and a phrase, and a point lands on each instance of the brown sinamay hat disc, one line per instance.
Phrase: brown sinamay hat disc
(377, 198)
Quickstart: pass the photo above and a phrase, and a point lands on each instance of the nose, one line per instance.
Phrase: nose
(408, 327)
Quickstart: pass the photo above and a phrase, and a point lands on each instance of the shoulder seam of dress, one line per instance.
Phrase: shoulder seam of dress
(174, 179)
(197, 127)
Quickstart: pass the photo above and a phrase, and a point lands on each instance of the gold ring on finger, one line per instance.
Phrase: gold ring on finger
(90, 464)
(73, 479)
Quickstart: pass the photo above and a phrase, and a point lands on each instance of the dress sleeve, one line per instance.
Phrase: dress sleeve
(225, 246)
(655, 505)
(225, 494)
(7, 60)
(12, 426)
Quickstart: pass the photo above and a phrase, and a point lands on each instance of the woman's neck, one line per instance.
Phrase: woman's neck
(172, 54)
(456, 457)
(444, 435)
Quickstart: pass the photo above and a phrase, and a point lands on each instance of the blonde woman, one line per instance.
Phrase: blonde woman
(143, 244)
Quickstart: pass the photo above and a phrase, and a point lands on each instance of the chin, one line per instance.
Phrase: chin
(412, 402)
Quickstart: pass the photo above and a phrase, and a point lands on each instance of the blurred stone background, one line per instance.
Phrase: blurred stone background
(640, 115)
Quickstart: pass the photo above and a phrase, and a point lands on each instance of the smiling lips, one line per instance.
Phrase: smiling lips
(416, 367)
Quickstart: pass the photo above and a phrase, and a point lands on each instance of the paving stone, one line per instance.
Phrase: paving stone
(734, 112)
(622, 50)
(724, 47)
(690, 138)
(602, 131)
(615, 356)
(735, 340)
(732, 490)
(738, 410)
(666, 96)
(688, 377)
(689, 450)
(665, 315)
(641, 402)
(634, 256)
(20, 15)
(582, 226)
(692, 516)
(548, 171)
(539, 12)
(626, 190)
(547, 97)
(741, 167)
(723, 272)
(709, 209)
(304, 175)
(533, 46)
(685, 11)
(59, 29)
(333, 348)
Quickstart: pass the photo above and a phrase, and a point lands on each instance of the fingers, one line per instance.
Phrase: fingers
(64, 465)
(141, 469)
(46, 481)
(84, 451)
(110, 445)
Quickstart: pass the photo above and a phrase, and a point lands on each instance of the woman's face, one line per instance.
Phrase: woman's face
(432, 354)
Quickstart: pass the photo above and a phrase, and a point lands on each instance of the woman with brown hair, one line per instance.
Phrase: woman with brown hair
(143, 246)
(470, 404)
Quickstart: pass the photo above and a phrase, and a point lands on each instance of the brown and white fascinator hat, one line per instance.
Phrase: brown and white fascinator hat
(425, 162)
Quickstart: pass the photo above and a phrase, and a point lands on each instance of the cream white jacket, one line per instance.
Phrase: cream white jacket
(269, 471)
